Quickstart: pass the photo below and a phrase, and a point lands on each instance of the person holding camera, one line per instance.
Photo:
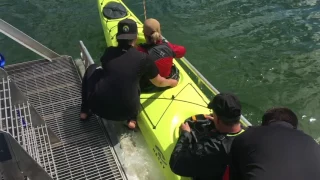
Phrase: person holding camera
(208, 156)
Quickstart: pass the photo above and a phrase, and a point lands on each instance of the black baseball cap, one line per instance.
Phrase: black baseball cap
(226, 106)
(127, 29)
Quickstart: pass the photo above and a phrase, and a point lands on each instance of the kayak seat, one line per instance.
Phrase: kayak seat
(175, 73)
(114, 10)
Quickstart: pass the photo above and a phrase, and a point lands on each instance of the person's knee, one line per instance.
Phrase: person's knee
(89, 71)
(92, 68)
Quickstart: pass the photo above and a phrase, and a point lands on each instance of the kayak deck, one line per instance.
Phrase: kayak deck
(54, 89)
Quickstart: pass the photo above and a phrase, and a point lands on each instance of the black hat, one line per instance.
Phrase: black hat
(226, 106)
(127, 29)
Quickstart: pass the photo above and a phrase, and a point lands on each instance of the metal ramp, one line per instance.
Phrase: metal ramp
(54, 90)
(28, 138)
(16, 162)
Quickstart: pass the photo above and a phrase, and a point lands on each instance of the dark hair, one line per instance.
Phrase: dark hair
(230, 122)
(280, 114)
(124, 42)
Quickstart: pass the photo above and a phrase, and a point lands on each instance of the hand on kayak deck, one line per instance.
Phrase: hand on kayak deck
(185, 127)
(174, 82)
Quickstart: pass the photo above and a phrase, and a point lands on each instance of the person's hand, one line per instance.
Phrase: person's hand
(173, 83)
(185, 127)
(209, 117)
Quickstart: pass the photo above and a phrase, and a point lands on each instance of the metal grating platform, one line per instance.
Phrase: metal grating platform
(54, 89)
(16, 120)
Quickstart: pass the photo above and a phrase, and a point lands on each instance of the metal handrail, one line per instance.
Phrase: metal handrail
(27, 41)
(85, 55)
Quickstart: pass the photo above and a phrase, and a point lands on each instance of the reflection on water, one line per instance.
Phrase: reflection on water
(312, 119)
(267, 52)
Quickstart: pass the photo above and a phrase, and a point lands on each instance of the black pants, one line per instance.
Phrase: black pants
(89, 81)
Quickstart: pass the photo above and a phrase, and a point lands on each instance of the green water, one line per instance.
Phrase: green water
(266, 52)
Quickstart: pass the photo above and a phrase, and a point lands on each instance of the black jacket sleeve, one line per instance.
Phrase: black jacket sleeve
(202, 159)
(150, 69)
(108, 55)
(103, 58)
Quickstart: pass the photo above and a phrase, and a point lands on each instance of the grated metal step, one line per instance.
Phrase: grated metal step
(16, 120)
(54, 89)
(34, 140)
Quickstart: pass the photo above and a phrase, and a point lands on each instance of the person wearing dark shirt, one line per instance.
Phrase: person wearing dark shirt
(276, 150)
(207, 158)
(112, 92)
(161, 52)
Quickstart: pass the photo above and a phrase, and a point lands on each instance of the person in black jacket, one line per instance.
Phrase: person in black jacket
(276, 150)
(112, 92)
(208, 157)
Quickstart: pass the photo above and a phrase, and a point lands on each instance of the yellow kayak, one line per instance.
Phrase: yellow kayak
(162, 112)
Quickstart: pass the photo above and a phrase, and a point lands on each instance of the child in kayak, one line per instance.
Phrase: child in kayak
(161, 52)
